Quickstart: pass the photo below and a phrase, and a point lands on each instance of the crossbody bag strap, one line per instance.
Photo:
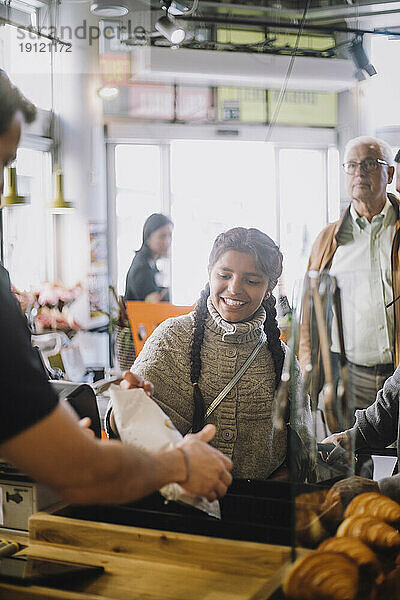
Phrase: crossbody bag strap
(217, 401)
(235, 378)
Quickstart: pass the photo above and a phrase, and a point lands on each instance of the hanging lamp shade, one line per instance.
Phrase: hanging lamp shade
(59, 204)
(12, 198)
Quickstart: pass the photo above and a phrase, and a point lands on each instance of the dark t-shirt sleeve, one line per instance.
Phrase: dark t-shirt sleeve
(26, 397)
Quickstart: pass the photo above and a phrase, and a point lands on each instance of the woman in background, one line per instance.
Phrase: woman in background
(143, 278)
(191, 358)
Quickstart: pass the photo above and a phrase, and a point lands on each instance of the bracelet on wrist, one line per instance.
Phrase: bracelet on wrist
(187, 465)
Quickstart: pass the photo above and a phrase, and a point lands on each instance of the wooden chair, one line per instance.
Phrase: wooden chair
(145, 316)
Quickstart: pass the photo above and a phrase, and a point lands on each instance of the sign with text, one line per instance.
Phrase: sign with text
(242, 104)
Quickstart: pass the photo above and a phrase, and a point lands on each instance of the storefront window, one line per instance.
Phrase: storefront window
(215, 185)
(138, 195)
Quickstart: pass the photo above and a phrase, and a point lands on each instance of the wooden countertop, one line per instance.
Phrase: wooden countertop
(149, 564)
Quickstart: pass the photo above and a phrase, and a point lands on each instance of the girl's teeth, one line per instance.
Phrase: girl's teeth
(233, 302)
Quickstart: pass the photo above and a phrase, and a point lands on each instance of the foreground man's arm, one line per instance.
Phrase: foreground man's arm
(375, 427)
(58, 453)
(43, 439)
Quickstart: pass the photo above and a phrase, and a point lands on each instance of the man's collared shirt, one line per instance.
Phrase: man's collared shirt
(362, 266)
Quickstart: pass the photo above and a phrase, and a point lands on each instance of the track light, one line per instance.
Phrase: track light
(171, 30)
(109, 8)
(360, 59)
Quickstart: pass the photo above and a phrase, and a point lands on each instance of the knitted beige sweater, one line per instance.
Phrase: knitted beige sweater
(244, 418)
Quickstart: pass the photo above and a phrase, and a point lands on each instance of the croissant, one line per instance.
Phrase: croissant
(330, 513)
(333, 507)
(313, 500)
(362, 555)
(322, 576)
(375, 505)
(370, 531)
(309, 529)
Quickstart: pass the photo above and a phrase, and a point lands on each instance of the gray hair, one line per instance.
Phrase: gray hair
(384, 147)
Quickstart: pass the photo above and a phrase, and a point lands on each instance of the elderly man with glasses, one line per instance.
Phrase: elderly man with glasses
(362, 250)
(397, 166)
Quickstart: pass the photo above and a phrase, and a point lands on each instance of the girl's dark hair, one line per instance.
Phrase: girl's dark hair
(269, 260)
(12, 101)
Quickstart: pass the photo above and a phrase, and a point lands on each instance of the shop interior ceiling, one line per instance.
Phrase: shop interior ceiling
(219, 24)
(278, 20)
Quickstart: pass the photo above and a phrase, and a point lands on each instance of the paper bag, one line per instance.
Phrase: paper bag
(141, 422)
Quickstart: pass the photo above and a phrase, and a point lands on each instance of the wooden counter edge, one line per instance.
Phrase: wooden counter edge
(217, 554)
(9, 591)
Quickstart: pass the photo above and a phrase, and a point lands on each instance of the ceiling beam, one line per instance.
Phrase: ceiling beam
(261, 23)
(339, 12)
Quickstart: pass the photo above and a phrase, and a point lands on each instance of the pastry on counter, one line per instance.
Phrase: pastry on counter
(330, 514)
(372, 532)
(322, 576)
(365, 558)
(333, 505)
(313, 500)
(375, 505)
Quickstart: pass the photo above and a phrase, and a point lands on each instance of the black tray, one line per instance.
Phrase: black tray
(258, 511)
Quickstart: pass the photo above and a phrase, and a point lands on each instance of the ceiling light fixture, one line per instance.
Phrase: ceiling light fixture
(12, 198)
(108, 93)
(171, 29)
(360, 59)
(109, 8)
(59, 205)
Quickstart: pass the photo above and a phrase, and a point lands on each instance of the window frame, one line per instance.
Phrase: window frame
(136, 133)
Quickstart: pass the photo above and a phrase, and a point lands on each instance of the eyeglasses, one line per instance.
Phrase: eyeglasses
(368, 165)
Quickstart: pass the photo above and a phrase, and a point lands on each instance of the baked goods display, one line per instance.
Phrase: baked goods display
(322, 575)
(374, 505)
(373, 532)
(363, 556)
(360, 562)
(309, 529)
(315, 523)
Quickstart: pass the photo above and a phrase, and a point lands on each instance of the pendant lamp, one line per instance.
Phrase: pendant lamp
(12, 198)
(59, 204)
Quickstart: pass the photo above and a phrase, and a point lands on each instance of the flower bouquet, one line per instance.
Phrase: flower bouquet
(47, 308)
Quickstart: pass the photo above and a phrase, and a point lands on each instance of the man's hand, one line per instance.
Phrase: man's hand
(342, 453)
(209, 469)
(131, 381)
(346, 489)
(339, 439)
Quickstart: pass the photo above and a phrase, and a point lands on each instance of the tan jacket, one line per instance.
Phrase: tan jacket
(321, 256)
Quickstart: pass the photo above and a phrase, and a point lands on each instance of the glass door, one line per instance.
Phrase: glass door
(138, 194)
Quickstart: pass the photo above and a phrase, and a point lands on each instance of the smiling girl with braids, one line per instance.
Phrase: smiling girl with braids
(191, 358)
